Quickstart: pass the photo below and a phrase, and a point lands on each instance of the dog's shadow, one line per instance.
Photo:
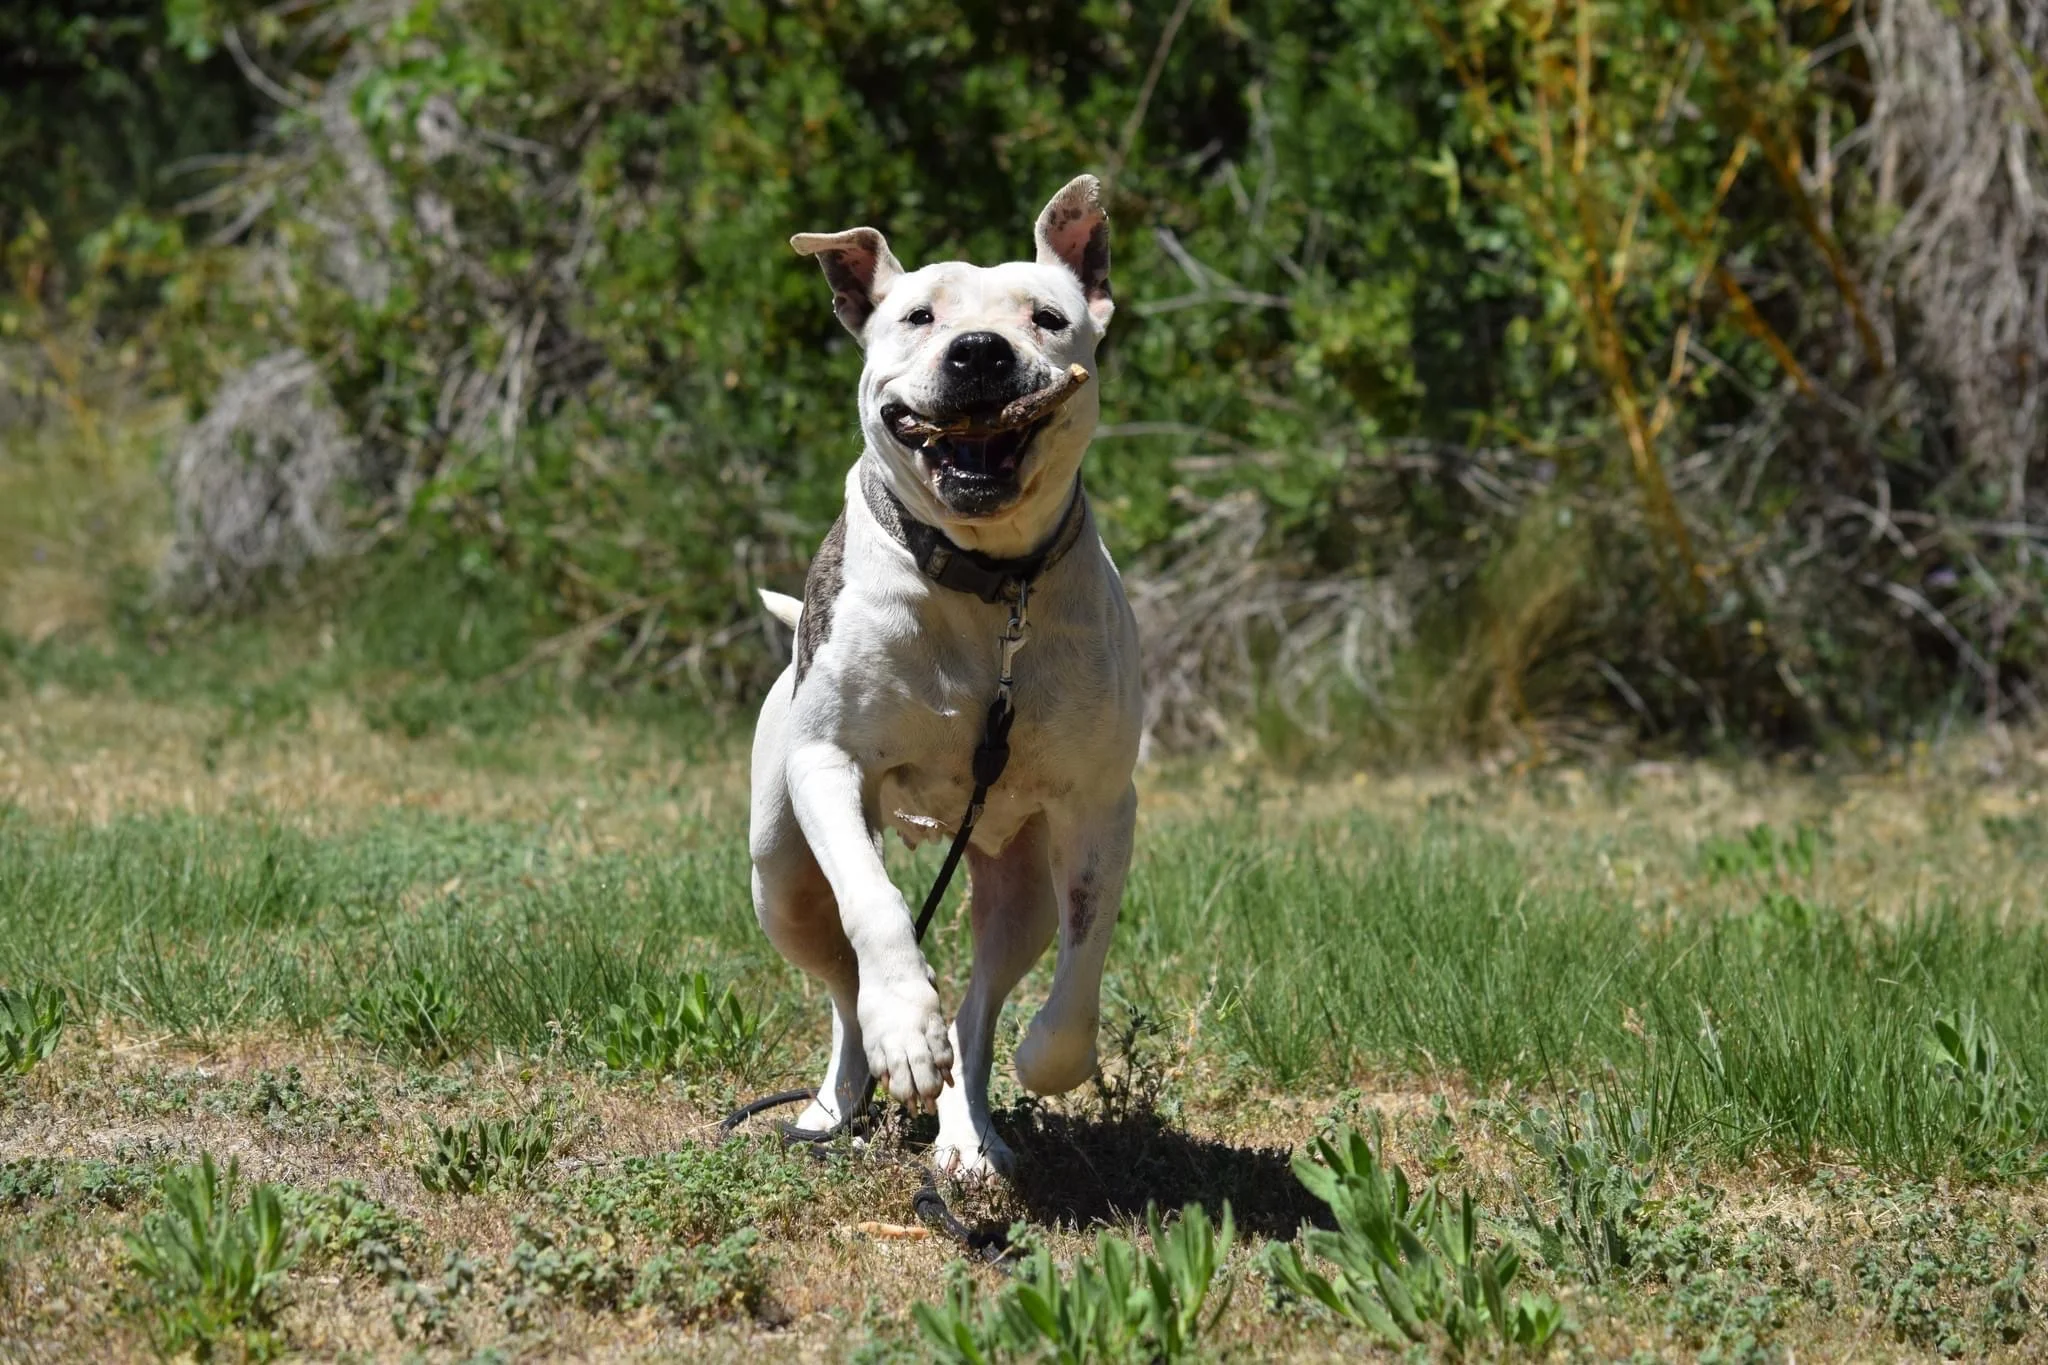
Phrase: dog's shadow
(1076, 1170)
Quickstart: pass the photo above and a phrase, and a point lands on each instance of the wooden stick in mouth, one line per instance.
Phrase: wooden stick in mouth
(1021, 412)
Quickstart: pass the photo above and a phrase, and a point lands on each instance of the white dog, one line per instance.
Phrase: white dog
(952, 508)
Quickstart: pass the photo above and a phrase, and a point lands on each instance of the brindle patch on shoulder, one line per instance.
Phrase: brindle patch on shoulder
(821, 590)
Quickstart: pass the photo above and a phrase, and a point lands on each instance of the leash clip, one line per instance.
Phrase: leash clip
(1015, 636)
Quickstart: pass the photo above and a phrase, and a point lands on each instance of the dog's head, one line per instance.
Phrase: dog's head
(951, 346)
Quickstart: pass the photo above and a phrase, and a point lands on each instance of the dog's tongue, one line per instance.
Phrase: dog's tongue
(989, 455)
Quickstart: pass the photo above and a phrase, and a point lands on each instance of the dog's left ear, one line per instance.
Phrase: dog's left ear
(1073, 231)
(858, 265)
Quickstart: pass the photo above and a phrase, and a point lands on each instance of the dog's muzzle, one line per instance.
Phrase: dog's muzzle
(972, 458)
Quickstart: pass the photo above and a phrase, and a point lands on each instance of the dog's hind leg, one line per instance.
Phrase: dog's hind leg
(1014, 911)
(1091, 852)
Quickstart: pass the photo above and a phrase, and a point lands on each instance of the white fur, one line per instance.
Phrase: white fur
(881, 732)
(782, 607)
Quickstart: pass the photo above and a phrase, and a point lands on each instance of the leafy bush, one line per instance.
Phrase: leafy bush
(1483, 366)
(1412, 1269)
(212, 1262)
(484, 1154)
(1116, 1304)
(680, 1028)
(31, 1021)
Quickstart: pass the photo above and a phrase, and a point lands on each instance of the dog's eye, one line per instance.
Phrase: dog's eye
(919, 316)
(1049, 320)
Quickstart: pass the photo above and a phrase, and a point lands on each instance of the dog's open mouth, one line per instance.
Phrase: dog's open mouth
(982, 448)
(972, 453)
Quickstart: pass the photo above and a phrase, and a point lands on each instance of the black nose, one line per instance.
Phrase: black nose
(980, 355)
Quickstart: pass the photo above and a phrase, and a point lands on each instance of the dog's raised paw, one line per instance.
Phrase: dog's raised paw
(906, 1042)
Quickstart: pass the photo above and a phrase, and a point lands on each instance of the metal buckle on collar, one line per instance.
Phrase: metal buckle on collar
(955, 569)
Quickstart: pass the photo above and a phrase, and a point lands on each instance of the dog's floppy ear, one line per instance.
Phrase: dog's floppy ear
(858, 266)
(1073, 231)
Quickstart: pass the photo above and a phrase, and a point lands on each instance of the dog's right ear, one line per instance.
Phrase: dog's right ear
(858, 266)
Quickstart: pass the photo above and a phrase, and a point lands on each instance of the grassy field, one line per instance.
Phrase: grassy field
(1746, 1063)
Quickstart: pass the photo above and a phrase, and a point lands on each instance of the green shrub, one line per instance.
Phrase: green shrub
(577, 346)
(1409, 1268)
(31, 1021)
(680, 1028)
(212, 1262)
(1116, 1304)
(1478, 363)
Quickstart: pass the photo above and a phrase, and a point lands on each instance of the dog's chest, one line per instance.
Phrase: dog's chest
(1068, 707)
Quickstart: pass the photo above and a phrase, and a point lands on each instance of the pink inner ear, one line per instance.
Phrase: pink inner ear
(1068, 236)
(1076, 233)
(857, 262)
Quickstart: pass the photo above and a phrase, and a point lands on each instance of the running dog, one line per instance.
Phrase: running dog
(977, 402)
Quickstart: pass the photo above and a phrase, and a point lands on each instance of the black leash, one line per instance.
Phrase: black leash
(991, 756)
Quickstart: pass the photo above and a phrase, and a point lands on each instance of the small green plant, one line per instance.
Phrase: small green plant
(2027, 833)
(680, 1028)
(723, 1279)
(1118, 1303)
(682, 1284)
(88, 1184)
(2001, 1127)
(1410, 1268)
(417, 1014)
(485, 1153)
(1759, 851)
(212, 1262)
(1603, 1179)
(31, 1021)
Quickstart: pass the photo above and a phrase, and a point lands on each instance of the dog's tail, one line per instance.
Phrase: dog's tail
(782, 607)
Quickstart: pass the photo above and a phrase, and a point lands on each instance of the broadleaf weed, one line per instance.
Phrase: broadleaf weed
(684, 1027)
(2002, 1128)
(212, 1262)
(417, 1013)
(484, 1154)
(1603, 1181)
(1410, 1268)
(31, 1021)
(1117, 1303)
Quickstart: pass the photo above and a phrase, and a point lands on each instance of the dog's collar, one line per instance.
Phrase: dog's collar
(964, 570)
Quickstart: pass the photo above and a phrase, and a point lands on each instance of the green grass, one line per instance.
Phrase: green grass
(201, 928)
(1784, 1026)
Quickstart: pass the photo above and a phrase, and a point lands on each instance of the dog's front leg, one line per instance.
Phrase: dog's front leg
(902, 1030)
(1091, 853)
